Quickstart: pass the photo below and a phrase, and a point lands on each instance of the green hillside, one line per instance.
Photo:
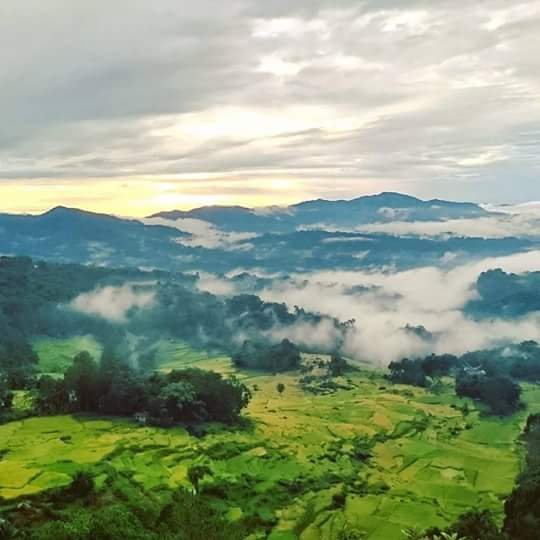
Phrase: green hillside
(298, 468)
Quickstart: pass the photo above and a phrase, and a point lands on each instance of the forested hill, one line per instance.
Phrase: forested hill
(28, 288)
(39, 298)
(501, 294)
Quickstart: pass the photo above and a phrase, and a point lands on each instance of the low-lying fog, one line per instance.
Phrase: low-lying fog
(384, 303)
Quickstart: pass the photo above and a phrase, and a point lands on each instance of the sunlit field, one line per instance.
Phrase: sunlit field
(296, 465)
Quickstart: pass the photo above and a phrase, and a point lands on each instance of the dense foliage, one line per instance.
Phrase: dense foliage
(522, 509)
(17, 362)
(416, 371)
(121, 512)
(275, 358)
(30, 292)
(112, 387)
(505, 295)
(487, 375)
(499, 393)
(473, 525)
(36, 299)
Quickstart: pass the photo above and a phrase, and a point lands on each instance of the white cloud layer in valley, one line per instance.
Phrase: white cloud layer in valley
(204, 234)
(429, 297)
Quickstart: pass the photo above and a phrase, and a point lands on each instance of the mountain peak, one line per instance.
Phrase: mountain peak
(393, 197)
(61, 210)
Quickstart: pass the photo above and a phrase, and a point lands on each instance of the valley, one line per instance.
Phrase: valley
(304, 463)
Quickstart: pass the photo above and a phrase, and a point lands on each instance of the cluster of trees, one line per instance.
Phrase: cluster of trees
(520, 361)
(114, 388)
(522, 509)
(34, 296)
(30, 292)
(284, 356)
(473, 525)
(418, 371)
(501, 294)
(205, 319)
(488, 376)
(81, 512)
(501, 394)
(18, 362)
(17, 367)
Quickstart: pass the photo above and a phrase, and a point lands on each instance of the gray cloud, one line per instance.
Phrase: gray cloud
(341, 97)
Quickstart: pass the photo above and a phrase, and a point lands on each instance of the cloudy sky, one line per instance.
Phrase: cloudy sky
(133, 106)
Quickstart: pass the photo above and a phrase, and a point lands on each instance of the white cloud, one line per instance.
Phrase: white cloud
(114, 303)
(204, 234)
(430, 297)
(521, 225)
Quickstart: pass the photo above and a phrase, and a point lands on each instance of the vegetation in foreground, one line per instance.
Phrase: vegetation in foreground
(113, 388)
(338, 455)
(322, 451)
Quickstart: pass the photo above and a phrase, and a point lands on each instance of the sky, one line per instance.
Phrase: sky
(131, 106)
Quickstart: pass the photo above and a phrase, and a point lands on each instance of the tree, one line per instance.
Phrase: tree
(499, 393)
(196, 473)
(408, 371)
(82, 485)
(52, 396)
(284, 356)
(337, 366)
(439, 365)
(18, 361)
(6, 396)
(280, 387)
(180, 401)
(522, 508)
(191, 517)
(82, 380)
(477, 525)
(120, 388)
(222, 399)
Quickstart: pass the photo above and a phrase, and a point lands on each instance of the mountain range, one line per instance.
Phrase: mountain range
(320, 213)
(308, 236)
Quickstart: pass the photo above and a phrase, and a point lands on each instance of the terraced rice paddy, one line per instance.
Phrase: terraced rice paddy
(173, 354)
(290, 469)
(56, 355)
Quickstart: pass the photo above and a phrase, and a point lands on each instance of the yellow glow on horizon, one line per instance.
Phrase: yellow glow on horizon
(142, 197)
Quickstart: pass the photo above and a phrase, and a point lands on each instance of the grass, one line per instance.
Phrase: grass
(173, 354)
(56, 355)
(431, 461)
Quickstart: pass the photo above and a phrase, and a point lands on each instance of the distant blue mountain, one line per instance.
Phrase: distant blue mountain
(71, 235)
(382, 208)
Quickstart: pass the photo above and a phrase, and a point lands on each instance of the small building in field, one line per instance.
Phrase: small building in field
(141, 418)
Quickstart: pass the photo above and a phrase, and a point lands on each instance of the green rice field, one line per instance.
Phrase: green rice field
(56, 355)
(293, 468)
